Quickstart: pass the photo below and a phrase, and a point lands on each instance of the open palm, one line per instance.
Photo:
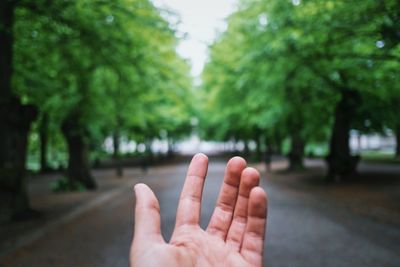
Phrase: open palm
(234, 236)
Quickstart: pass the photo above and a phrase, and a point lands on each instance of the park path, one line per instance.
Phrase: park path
(303, 229)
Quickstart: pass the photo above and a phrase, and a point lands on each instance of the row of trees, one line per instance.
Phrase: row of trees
(307, 71)
(84, 70)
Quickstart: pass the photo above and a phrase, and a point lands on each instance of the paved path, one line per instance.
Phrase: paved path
(303, 230)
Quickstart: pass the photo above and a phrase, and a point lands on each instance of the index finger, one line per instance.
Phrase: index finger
(190, 200)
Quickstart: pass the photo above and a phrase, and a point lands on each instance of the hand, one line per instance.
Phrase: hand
(234, 236)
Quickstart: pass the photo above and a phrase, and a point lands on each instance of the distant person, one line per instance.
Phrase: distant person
(234, 236)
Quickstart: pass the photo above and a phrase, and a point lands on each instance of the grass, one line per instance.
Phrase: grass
(380, 156)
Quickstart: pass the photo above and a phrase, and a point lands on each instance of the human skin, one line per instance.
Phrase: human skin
(234, 236)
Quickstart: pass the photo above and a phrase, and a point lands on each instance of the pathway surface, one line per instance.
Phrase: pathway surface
(304, 229)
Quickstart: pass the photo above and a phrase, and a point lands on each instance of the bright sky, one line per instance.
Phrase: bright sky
(201, 20)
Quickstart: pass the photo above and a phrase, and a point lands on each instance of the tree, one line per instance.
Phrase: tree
(67, 58)
(300, 68)
(16, 119)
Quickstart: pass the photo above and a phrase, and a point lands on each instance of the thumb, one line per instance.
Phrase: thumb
(147, 215)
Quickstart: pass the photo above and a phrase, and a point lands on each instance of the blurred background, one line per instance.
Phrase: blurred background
(98, 95)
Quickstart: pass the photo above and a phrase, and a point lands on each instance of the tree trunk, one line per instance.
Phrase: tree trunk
(43, 137)
(398, 141)
(149, 156)
(258, 148)
(278, 144)
(246, 148)
(15, 122)
(116, 156)
(78, 171)
(171, 149)
(6, 48)
(296, 153)
(340, 162)
(359, 144)
(268, 154)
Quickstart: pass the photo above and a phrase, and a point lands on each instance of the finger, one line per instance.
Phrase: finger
(223, 212)
(190, 200)
(147, 215)
(249, 179)
(253, 239)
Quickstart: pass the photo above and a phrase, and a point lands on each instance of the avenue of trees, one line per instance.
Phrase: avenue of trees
(285, 73)
(76, 72)
(307, 71)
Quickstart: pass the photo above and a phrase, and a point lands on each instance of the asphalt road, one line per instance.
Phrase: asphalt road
(303, 230)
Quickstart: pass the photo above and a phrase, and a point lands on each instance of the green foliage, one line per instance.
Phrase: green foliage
(280, 68)
(65, 185)
(111, 66)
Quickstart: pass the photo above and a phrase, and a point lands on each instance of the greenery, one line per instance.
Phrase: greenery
(291, 76)
(305, 71)
(379, 156)
(97, 69)
(63, 184)
(77, 72)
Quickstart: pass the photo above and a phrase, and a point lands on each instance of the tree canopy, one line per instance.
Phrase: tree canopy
(308, 71)
(88, 70)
